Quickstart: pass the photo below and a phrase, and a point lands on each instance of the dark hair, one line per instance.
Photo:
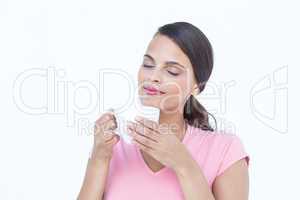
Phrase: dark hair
(198, 49)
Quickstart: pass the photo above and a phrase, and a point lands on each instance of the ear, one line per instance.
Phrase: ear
(195, 90)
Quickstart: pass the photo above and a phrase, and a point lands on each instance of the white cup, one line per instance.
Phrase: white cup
(149, 112)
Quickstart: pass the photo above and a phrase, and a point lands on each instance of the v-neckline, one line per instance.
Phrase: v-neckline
(145, 165)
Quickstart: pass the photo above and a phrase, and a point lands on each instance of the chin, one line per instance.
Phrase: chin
(149, 101)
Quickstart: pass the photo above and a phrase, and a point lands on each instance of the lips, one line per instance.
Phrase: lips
(152, 90)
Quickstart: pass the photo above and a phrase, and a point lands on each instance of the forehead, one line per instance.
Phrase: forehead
(163, 49)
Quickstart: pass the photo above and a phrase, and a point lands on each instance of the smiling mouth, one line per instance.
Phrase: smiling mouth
(152, 91)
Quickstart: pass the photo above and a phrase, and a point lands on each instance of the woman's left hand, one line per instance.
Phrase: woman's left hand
(161, 143)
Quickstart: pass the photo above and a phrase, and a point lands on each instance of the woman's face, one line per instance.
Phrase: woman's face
(166, 68)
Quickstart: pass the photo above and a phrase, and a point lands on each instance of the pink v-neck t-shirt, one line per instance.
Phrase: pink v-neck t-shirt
(129, 177)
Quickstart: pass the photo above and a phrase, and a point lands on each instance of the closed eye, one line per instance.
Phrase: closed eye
(150, 66)
(147, 66)
(174, 74)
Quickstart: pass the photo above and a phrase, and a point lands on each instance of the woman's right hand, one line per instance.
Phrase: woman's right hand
(104, 137)
(98, 165)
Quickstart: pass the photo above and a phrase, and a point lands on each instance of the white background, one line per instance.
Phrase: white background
(43, 156)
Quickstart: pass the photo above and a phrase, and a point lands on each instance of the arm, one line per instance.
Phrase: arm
(99, 161)
(94, 180)
(193, 182)
(233, 184)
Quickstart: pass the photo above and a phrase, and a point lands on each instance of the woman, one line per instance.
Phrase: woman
(187, 159)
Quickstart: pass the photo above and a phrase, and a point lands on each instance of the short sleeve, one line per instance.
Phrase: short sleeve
(234, 152)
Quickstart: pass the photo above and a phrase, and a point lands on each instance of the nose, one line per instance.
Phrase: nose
(155, 76)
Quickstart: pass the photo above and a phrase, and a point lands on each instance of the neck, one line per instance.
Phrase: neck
(173, 122)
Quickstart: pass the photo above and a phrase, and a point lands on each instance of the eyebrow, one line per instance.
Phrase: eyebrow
(167, 62)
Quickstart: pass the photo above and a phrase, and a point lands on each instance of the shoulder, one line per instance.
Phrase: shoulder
(222, 148)
(214, 139)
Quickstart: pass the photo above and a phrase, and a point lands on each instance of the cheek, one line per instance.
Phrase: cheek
(140, 75)
(143, 74)
(176, 87)
(174, 97)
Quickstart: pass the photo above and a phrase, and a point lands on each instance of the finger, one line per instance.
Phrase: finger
(143, 147)
(105, 128)
(108, 135)
(142, 139)
(110, 125)
(141, 129)
(113, 139)
(105, 117)
(103, 138)
(147, 123)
